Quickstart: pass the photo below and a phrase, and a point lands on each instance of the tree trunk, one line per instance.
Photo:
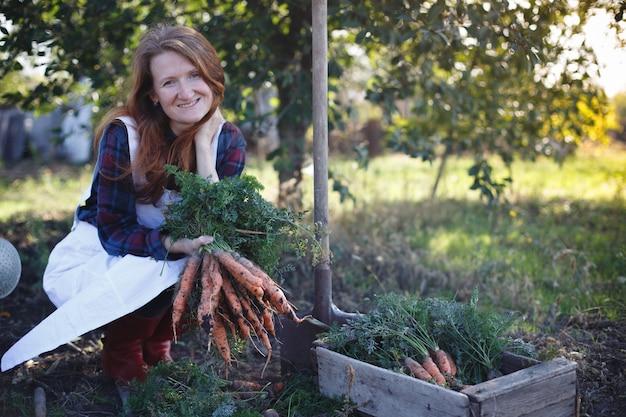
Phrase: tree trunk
(290, 165)
(440, 171)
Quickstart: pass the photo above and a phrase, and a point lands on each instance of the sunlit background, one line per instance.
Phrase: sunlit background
(611, 56)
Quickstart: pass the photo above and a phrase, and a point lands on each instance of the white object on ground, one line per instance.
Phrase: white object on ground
(10, 267)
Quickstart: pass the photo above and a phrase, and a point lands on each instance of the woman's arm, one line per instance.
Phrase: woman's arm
(203, 142)
(231, 151)
(116, 216)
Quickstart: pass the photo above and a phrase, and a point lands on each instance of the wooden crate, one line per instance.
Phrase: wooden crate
(532, 388)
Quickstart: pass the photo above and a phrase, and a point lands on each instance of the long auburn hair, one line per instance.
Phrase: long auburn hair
(155, 150)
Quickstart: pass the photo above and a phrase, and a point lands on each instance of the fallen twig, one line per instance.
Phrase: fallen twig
(40, 402)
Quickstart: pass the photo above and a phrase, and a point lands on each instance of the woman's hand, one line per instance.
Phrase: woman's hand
(203, 141)
(185, 245)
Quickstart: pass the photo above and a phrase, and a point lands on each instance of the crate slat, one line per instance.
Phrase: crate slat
(512, 362)
(531, 388)
(546, 389)
(381, 392)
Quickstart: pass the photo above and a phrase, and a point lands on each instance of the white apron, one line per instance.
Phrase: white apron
(91, 288)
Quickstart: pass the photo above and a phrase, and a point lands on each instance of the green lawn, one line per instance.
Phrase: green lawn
(555, 245)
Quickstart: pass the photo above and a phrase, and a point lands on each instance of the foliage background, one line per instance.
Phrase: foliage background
(444, 77)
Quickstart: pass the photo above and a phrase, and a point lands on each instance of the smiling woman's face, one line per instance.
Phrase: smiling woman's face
(180, 89)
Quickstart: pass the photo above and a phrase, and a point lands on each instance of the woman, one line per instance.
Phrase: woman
(116, 267)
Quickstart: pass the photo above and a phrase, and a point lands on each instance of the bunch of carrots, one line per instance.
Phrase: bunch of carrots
(440, 341)
(227, 286)
(236, 297)
(437, 366)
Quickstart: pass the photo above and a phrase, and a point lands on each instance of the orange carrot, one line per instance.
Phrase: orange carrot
(271, 289)
(258, 328)
(212, 281)
(245, 389)
(266, 281)
(268, 320)
(185, 287)
(243, 385)
(249, 265)
(250, 315)
(277, 299)
(453, 368)
(433, 370)
(262, 334)
(416, 369)
(278, 387)
(248, 389)
(223, 313)
(234, 305)
(444, 361)
(239, 273)
(220, 337)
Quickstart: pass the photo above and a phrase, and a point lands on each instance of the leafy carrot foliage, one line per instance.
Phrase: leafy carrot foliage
(235, 213)
(398, 326)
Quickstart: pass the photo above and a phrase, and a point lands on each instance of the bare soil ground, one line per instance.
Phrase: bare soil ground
(71, 375)
(73, 380)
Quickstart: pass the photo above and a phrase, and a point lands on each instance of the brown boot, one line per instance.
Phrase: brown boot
(157, 348)
(122, 354)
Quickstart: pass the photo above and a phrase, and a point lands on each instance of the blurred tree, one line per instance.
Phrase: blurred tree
(515, 79)
(619, 103)
(512, 78)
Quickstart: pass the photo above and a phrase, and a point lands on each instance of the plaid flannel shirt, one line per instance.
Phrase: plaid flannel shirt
(111, 206)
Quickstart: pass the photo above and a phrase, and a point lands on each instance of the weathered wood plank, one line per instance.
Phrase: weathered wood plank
(547, 389)
(384, 393)
(512, 362)
(535, 389)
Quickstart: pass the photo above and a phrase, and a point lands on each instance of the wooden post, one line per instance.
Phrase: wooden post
(322, 309)
(297, 339)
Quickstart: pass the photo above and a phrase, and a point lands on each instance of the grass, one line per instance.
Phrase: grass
(555, 245)
(41, 191)
(183, 389)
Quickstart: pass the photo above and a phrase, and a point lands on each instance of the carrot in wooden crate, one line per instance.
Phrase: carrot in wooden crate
(444, 361)
(416, 369)
(433, 370)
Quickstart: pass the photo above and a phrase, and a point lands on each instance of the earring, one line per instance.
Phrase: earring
(155, 103)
